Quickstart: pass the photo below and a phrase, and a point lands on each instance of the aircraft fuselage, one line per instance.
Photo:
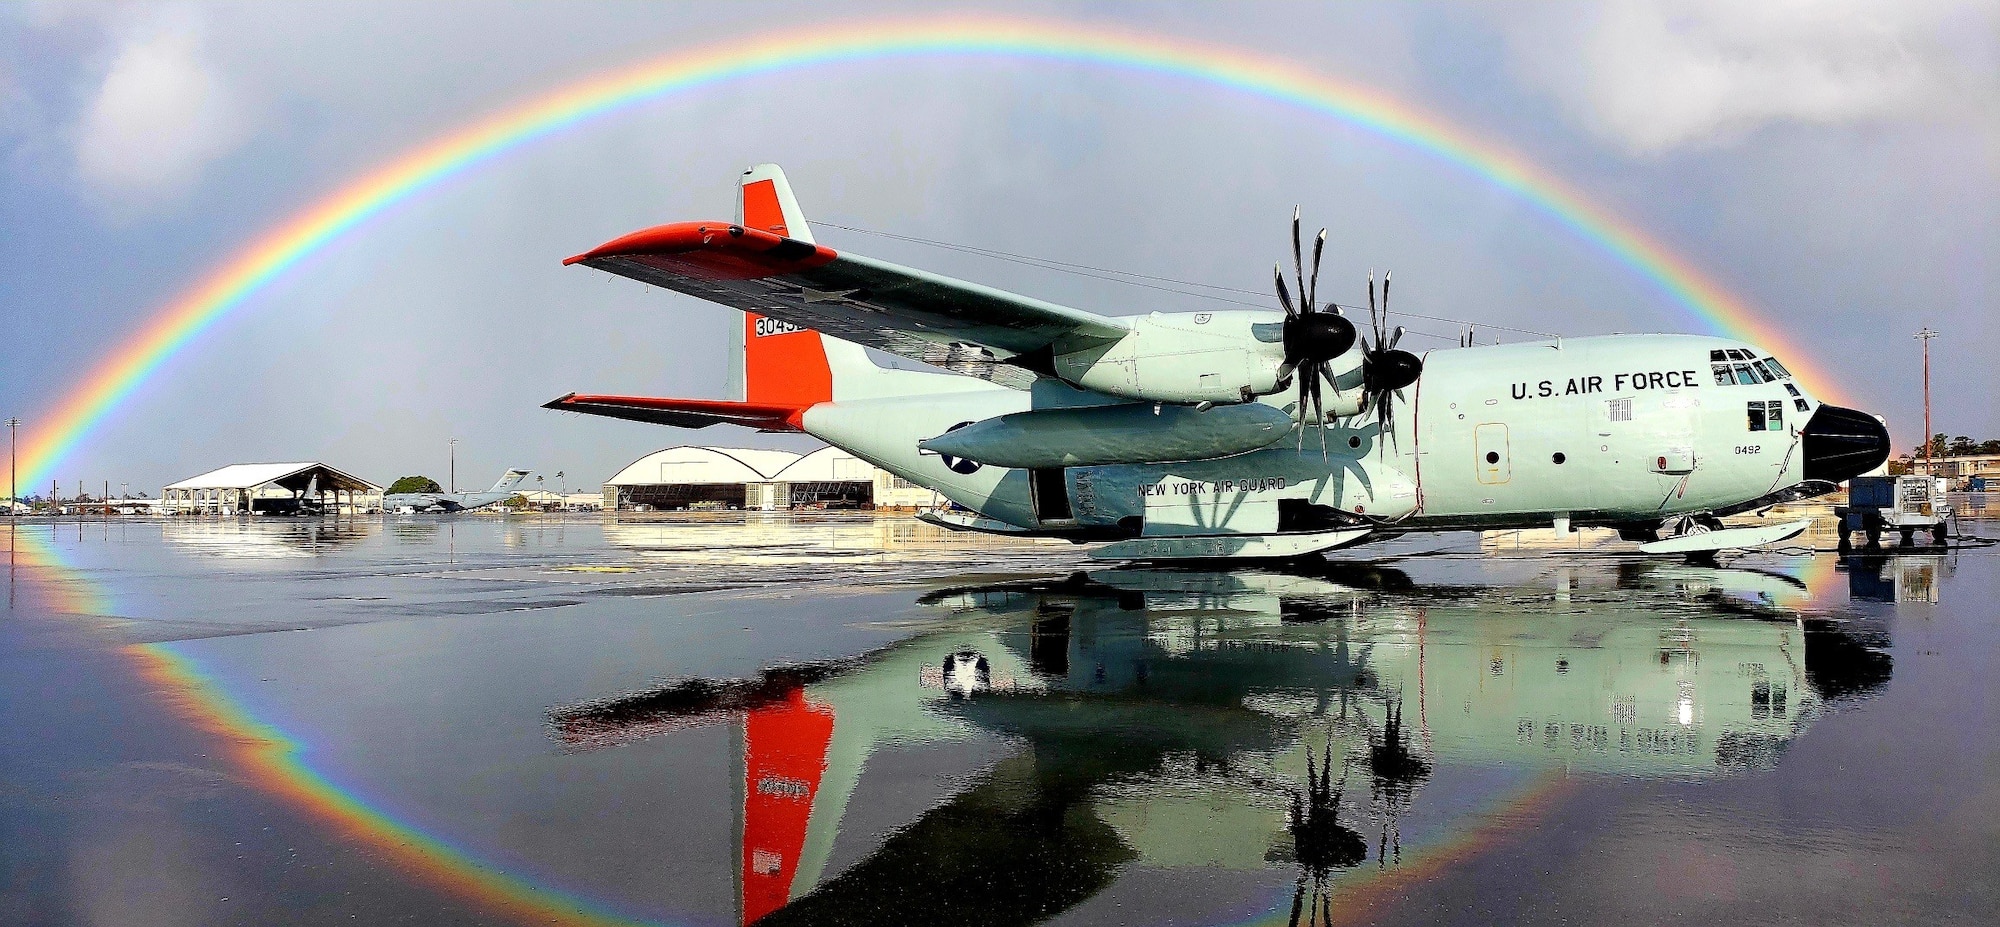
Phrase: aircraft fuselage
(1618, 429)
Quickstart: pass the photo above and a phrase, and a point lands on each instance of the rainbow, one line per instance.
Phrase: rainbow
(56, 435)
(277, 763)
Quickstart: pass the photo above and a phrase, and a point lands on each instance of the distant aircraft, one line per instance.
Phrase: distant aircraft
(412, 502)
(1243, 433)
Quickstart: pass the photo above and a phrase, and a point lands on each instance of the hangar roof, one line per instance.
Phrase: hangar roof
(294, 476)
(696, 464)
(827, 465)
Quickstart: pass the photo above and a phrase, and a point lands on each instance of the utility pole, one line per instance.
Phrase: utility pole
(454, 461)
(1925, 336)
(13, 495)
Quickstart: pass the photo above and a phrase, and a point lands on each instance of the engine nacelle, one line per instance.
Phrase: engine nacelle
(1185, 358)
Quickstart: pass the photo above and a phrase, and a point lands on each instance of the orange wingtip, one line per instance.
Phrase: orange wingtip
(711, 250)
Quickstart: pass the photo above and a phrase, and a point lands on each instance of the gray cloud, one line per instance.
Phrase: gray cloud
(159, 115)
(1652, 76)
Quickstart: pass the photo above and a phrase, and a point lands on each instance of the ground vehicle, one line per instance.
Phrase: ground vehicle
(1906, 504)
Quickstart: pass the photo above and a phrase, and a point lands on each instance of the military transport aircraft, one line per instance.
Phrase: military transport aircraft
(408, 502)
(1248, 433)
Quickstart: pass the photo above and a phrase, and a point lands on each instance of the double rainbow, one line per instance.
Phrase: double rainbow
(55, 436)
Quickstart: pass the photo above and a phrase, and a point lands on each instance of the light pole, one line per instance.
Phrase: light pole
(13, 496)
(454, 465)
(1925, 336)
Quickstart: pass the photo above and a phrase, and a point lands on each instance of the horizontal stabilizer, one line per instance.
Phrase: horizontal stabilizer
(683, 413)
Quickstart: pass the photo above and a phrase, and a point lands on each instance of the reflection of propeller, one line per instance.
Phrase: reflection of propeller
(1385, 370)
(1313, 336)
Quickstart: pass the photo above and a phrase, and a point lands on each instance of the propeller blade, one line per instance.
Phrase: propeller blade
(1305, 370)
(1319, 415)
(1374, 314)
(1312, 290)
(1298, 259)
(1394, 338)
(1284, 297)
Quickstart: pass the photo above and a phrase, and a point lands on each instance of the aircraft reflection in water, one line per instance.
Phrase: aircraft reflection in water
(1229, 721)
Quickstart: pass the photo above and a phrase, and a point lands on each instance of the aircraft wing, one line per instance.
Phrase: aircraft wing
(964, 327)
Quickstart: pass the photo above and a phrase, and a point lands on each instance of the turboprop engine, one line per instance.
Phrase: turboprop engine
(1218, 358)
(1187, 358)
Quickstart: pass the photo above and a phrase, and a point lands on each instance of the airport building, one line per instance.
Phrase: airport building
(695, 477)
(1964, 471)
(270, 489)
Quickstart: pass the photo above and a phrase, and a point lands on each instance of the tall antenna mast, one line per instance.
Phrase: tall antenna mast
(1925, 336)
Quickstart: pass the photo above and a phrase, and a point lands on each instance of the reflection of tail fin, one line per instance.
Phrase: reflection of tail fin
(511, 480)
(784, 755)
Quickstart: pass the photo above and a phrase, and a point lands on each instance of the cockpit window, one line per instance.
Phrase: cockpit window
(1763, 371)
(1778, 368)
(1735, 354)
(1717, 355)
(1744, 376)
(1722, 375)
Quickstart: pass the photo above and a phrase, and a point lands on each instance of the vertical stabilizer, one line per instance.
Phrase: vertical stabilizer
(764, 201)
(510, 481)
(784, 365)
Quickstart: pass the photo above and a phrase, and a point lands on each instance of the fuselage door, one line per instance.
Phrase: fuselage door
(1490, 447)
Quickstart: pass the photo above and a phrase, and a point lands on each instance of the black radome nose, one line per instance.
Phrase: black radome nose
(1843, 443)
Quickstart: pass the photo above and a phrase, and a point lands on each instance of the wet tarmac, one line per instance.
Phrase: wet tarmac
(853, 720)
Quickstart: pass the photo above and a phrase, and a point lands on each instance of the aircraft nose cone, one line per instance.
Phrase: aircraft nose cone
(1843, 443)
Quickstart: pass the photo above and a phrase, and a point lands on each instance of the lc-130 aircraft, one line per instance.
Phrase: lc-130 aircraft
(1246, 433)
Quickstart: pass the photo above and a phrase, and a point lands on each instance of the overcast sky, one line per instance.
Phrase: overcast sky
(1836, 163)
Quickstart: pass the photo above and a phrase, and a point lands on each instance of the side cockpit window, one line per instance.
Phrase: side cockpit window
(1767, 416)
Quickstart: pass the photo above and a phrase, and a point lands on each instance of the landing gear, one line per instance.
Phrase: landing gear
(1872, 526)
(1909, 537)
(1939, 535)
(1686, 525)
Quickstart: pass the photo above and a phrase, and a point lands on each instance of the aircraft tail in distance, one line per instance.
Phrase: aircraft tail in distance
(511, 481)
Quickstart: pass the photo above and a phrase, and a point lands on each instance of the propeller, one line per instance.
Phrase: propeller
(1385, 371)
(1313, 336)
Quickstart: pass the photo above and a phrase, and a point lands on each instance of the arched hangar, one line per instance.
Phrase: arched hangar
(693, 476)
